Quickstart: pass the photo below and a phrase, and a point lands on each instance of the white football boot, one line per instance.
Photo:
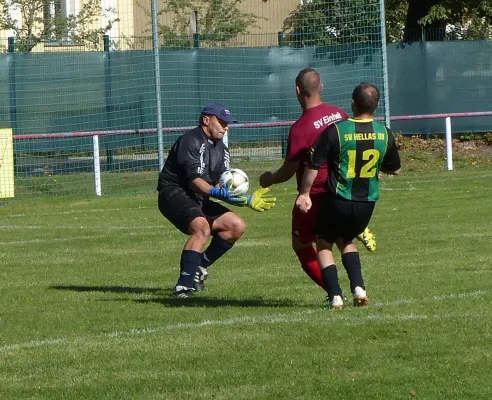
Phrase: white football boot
(336, 303)
(360, 297)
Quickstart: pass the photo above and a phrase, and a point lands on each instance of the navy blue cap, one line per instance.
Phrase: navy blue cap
(219, 110)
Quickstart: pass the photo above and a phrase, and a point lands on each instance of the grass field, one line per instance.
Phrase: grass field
(86, 312)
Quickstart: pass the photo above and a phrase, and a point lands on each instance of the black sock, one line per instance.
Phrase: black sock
(216, 249)
(351, 262)
(330, 279)
(190, 260)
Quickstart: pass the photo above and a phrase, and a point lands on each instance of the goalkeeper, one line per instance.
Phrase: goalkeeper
(187, 182)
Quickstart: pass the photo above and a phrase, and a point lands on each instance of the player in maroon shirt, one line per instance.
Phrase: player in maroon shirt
(316, 117)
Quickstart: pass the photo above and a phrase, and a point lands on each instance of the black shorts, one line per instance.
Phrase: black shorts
(339, 218)
(181, 207)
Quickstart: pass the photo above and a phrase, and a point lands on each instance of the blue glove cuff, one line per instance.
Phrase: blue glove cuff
(219, 193)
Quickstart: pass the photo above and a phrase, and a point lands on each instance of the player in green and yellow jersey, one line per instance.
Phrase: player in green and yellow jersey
(356, 151)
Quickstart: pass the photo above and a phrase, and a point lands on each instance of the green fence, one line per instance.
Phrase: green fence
(100, 91)
(71, 92)
(441, 77)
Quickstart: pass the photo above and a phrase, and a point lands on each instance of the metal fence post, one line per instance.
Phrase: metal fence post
(12, 85)
(281, 39)
(109, 158)
(385, 65)
(11, 44)
(196, 35)
(106, 43)
(157, 82)
(107, 103)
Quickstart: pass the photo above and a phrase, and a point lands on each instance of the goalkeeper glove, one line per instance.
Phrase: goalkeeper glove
(223, 194)
(255, 201)
(220, 193)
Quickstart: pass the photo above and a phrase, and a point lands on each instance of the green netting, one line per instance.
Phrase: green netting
(101, 91)
(440, 77)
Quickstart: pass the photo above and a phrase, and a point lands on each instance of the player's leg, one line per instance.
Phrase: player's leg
(185, 213)
(191, 256)
(329, 273)
(330, 224)
(227, 227)
(358, 217)
(308, 257)
(303, 239)
(352, 265)
(351, 262)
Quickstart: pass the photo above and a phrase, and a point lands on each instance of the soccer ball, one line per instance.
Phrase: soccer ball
(235, 180)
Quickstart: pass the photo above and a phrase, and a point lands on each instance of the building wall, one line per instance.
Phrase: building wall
(271, 13)
(135, 21)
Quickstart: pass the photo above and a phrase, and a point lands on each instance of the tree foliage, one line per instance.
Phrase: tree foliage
(395, 13)
(39, 23)
(323, 22)
(326, 22)
(463, 19)
(220, 22)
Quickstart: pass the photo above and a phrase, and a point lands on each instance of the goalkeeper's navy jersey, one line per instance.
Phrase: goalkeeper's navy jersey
(194, 155)
(355, 150)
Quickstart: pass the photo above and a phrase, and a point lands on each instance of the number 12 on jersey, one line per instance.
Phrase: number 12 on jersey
(370, 158)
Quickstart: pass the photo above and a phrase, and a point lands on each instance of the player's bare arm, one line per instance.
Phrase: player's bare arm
(303, 200)
(281, 175)
(307, 181)
(200, 186)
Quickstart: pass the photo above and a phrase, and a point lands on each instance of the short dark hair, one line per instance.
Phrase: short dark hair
(366, 98)
(309, 82)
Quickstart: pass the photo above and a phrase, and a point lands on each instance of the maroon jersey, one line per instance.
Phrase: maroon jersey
(302, 135)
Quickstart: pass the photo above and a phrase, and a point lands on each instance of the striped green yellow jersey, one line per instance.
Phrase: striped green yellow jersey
(355, 151)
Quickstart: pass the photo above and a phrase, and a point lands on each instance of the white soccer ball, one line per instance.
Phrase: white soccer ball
(235, 180)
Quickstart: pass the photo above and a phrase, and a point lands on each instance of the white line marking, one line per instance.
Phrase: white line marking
(478, 293)
(82, 211)
(54, 240)
(95, 236)
(78, 227)
(299, 316)
(35, 343)
(409, 189)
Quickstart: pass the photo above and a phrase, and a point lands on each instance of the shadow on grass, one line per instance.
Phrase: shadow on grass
(108, 289)
(205, 301)
(200, 300)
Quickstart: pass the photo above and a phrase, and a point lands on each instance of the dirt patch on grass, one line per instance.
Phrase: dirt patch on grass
(472, 148)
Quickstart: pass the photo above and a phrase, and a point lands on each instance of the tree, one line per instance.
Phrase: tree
(418, 11)
(395, 13)
(43, 20)
(325, 22)
(457, 19)
(322, 22)
(220, 22)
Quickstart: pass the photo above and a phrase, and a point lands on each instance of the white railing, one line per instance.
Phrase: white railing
(95, 135)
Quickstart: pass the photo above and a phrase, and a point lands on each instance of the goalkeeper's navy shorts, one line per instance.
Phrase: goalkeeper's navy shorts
(181, 207)
(340, 218)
